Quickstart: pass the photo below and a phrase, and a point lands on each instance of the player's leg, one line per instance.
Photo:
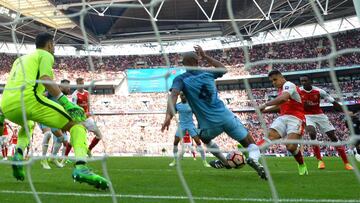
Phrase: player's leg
(199, 148)
(175, 149)
(294, 149)
(339, 149)
(311, 131)
(22, 144)
(311, 122)
(238, 132)
(53, 115)
(206, 136)
(45, 145)
(91, 126)
(58, 140)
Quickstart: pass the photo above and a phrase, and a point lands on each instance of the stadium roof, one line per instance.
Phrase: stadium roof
(111, 22)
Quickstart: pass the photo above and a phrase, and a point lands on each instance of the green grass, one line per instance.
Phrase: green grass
(151, 176)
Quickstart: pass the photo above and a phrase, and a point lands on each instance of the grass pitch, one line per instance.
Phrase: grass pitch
(150, 179)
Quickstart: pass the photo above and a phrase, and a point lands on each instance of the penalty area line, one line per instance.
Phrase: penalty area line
(180, 197)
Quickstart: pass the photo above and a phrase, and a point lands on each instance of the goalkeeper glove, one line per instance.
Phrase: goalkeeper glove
(76, 112)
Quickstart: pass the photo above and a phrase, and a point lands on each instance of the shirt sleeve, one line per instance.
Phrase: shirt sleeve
(178, 84)
(326, 96)
(289, 87)
(46, 65)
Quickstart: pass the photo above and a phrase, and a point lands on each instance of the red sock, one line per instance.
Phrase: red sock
(317, 153)
(3, 152)
(193, 153)
(6, 151)
(93, 143)
(68, 149)
(342, 154)
(299, 158)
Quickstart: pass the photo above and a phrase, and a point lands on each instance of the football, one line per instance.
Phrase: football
(236, 159)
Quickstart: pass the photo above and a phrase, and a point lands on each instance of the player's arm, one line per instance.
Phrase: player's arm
(329, 98)
(288, 89)
(76, 112)
(209, 59)
(273, 105)
(271, 109)
(170, 110)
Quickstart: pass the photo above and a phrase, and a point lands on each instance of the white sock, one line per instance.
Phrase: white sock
(254, 152)
(45, 142)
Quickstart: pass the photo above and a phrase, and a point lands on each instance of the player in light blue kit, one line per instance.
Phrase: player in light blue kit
(59, 137)
(186, 126)
(213, 117)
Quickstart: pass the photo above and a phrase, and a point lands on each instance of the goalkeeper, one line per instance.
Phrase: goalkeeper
(24, 75)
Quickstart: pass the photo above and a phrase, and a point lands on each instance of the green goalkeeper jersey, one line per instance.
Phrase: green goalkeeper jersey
(35, 65)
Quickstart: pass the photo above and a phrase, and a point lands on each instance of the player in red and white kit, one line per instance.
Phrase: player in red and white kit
(4, 140)
(188, 145)
(13, 141)
(315, 118)
(291, 122)
(81, 98)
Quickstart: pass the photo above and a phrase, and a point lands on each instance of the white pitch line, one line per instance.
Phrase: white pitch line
(221, 171)
(181, 197)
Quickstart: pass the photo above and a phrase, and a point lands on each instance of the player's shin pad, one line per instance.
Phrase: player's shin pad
(78, 141)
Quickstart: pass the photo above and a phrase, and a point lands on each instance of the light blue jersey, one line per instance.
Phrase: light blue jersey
(212, 115)
(185, 115)
(201, 93)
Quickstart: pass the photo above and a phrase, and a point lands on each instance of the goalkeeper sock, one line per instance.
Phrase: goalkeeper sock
(214, 149)
(93, 143)
(317, 153)
(342, 154)
(78, 141)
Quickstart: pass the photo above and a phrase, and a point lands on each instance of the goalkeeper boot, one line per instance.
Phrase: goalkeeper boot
(303, 169)
(321, 164)
(82, 173)
(219, 164)
(18, 169)
(257, 167)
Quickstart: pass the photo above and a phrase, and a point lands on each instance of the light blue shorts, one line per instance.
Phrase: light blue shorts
(192, 132)
(65, 137)
(234, 128)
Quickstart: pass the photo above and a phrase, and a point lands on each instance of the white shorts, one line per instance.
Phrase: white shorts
(321, 121)
(4, 140)
(90, 125)
(287, 124)
(187, 145)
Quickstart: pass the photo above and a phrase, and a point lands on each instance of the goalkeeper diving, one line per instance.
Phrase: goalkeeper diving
(26, 73)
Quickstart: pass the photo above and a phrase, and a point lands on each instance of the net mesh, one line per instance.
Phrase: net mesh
(150, 9)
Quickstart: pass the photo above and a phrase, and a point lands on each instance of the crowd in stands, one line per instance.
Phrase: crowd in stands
(112, 67)
(234, 99)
